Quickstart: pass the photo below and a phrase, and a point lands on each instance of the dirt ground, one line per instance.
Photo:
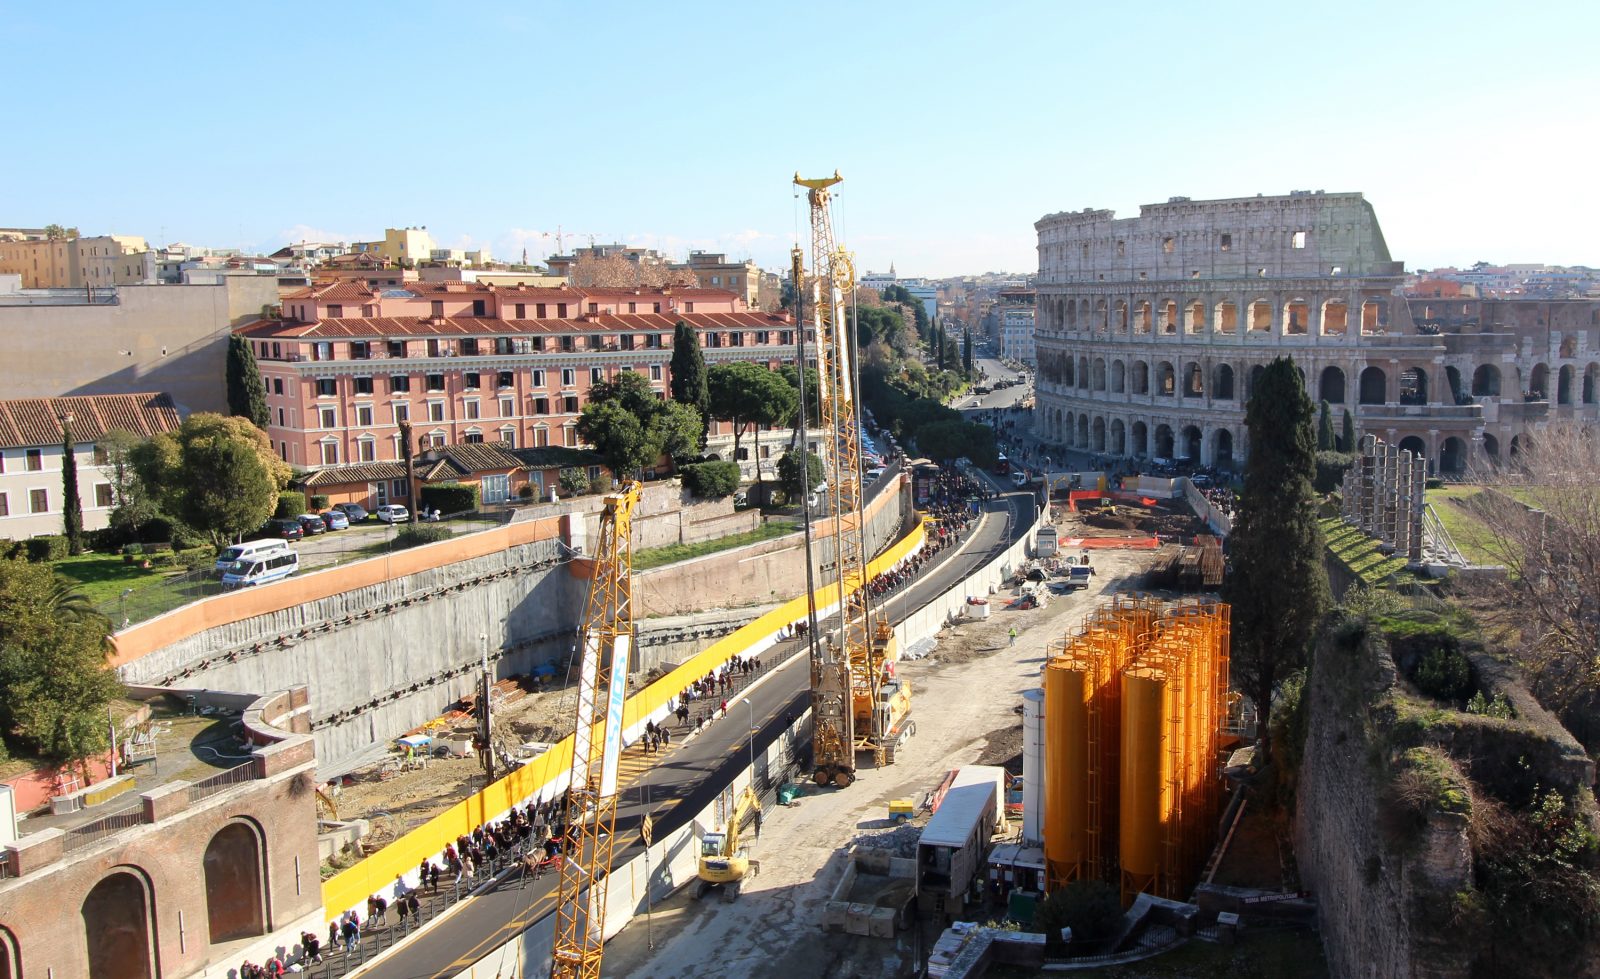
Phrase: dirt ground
(967, 686)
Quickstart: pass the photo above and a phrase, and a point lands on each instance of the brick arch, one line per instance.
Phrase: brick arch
(234, 864)
(10, 966)
(118, 920)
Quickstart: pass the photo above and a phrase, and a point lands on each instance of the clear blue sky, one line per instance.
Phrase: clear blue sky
(1470, 127)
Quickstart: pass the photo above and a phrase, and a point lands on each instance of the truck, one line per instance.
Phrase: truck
(1046, 542)
(952, 847)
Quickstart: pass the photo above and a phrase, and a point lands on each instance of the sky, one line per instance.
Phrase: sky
(1470, 127)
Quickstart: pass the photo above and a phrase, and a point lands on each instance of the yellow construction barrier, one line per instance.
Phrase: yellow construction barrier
(351, 887)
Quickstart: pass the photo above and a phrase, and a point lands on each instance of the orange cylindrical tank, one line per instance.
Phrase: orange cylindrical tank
(1143, 785)
(1066, 765)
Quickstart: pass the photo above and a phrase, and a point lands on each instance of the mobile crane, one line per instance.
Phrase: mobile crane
(850, 711)
(606, 641)
(724, 863)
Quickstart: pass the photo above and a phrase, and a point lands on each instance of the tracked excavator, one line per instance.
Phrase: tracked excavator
(724, 860)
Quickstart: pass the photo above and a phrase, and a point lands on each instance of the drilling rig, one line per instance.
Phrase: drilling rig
(606, 642)
(855, 705)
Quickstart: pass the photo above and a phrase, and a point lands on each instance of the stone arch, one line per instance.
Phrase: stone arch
(119, 926)
(1166, 380)
(1335, 318)
(1415, 445)
(1163, 441)
(1143, 316)
(1296, 317)
(1259, 315)
(1226, 317)
(1452, 455)
(1486, 381)
(1256, 371)
(1083, 431)
(1194, 317)
(1071, 320)
(1194, 380)
(1068, 372)
(1374, 386)
(1591, 384)
(1538, 385)
(1084, 322)
(1191, 444)
(1119, 437)
(1372, 316)
(1119, 319)
(1330, 387)
(1099, 374)
(1222, 449)
(1067, 432)
(1222, 382)
(1413, 386)
(1491, 447)
(1569, 345)
(1141, 377)
(1055, 425)
(1141, 439)
(1167, 317)
(1098, 434)
(10, 964)
(1102, 319)
(1518, 443)
(1083, 372)
(1119, 377)
(1564, 384)
(235, 897)
(1452, 379)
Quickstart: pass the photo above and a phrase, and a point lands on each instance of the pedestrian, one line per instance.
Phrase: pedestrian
(415, 907)
(333, 935)
(1013, 635)
(666, 737)
(433, 877)
(400, 910)
(310, 948)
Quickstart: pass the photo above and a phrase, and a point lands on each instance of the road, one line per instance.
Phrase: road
(673, 791)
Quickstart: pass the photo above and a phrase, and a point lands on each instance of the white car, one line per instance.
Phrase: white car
(393, 513)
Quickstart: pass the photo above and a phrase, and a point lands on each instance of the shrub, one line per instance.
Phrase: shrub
(449, 497)
(1091, 908)
(711, 480)
(291, 503)
(1331, 467)
(319, 502)
(196, 558)
(525, 491)
(574, 481)
(1444, 673)
(418, 534)
(50, 547)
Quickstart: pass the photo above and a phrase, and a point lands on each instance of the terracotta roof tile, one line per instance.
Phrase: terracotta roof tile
(29, 422)
(364, 472)
(468, 326)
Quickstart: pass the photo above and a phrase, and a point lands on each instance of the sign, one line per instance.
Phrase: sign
(647, 830)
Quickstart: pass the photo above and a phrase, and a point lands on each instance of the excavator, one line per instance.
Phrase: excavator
(724, 863)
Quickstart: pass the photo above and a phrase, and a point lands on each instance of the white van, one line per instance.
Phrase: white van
(249, 550)
(261, 569)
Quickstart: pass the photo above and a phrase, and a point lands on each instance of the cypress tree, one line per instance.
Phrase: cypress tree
(1325, 441)
(939, 342)
(1278, 588)
(1347, 441)
(689, 384)
(966, 351)
(247, 397)
(71, 506)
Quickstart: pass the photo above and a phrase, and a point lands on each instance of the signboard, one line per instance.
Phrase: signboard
(618, 694)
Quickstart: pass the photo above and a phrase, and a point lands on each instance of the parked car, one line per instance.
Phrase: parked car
(354, 511)
(286, 529)
(393, 513)
(311, 524)
(335, 520)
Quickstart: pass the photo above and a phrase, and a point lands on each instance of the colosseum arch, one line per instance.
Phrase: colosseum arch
(1226, 318)
(1141, 439)
(1194, 380)
(1141, 377)
(1539, 383)
(1164, 441)
(1491, 448)
(1259, 315)
(1099, 434)
(1083, 432)
(10, 966)
(1256, 370)
(1085, 323)
(1486, 381)
(1335, 318)
(1591, 383)
(1372, 317)
(1070, 316)
(1068, 372)
(119, 925)
(1415, 446)
(1143, 317)
(1119, 377)
(1067, 431)
(1099, 374)
(1167, 317)
(1119, 320)
(1191, 444)
(1166, 380)
(235, 895)
(1330, 387)
(1083, 372)
(1564, 384)
(1452, 455)
(1119, 437)
(1452, 380)
(1296, 317)
(1374, 386)
(1569, 346)
(1194, 317)
(1102, 319)
(1222, 449)
(1414, 386)
(1222, 383)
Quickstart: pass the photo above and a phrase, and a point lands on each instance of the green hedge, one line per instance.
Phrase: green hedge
(574, 481)
(449, 497)
(51, 547)
(1331, 467)
(319, 503)
(291, 503)
(710, 479)
(417, 534)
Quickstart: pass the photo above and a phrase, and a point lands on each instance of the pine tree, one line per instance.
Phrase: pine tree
(1325, 441)
(689, 385)
(1347, 441)
(1278, 588)
(71, 505)
(247, 397)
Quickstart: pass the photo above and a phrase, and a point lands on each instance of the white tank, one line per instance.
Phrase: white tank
(1033, 767)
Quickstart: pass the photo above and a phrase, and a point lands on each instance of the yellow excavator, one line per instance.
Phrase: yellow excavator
(724, 863)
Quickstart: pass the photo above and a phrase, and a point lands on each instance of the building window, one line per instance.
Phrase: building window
(35, 460)
(367, 450)
(541, 406)
(688, 307)
(5, 506)
(538, 343)
(655, 372)
(506, 379)
(522, 311)
(633, 307)
(596, 375)
(327, 387)
(280, 417)
(435, 382)
(328, 417)
(473, 438)
(360, 350)
(99, 455)
(736, 339)
(470, 380)
(538, 378)
(397, 348)
(508, 407)
(568, 344)
(786, 337)
(569, 404)
(277, 385)
(367, 311)
(508, 435)
(594, 308)
(627, 340)
(569, 377)
(472, 409)
(1226, 243)
(399, 383)
(762, 336)
(322, 350)
(538, 311)
(335, 311)
(398, 489)
(330, 453)
(561, 311)
(436, 411)
(469, 346)
(503, 345)
(402, 413)
(38, 501)
(102, 495)
(436, 309)
(364, 415)
(1297, 239)
(479, 308)
(363, 385)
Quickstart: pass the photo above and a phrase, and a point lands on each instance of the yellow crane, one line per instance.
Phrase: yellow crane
(849, 710)
(724, 863)
(606, 641)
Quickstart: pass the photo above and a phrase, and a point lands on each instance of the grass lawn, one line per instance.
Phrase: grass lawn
(655, 557)
(102, 577)
(1360, 553)
(1463, 526)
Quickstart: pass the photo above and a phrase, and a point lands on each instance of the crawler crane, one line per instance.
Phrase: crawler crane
(851, 708)
(606, 641)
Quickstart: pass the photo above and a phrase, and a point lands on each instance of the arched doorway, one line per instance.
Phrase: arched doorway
(235, 904)
(1330, 387)
(1141, 377)
(1374, 386)
(1099, 442)
(1067, 433)
(1255, 378)
(1222, 385)
(1163, 442)
(1414, 445)
(1191, 443)
(1099, 374)
(1083, 372)
(1491, 448)
(1516, 446)
(1591, 381)
(1166, 380)
(1413, 386)
(1539, 383)
(1119, 437)
(1083, 431)
(1452, 377)
(1141, 440)
(1222, 453)
(1452, 455)
(1194, 381)
(1119, 377)
(1564, 385)
(117, 920)
(1486, 382)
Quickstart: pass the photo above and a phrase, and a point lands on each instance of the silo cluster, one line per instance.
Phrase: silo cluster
(1133, 705)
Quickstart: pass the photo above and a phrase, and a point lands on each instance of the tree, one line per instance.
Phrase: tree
(1347, 441)
(1278, 587)
(216, 473)
(745, 394)
(618, 272)
(134, 504)
(631, 428)
(689, 375)
(56, 232)
(966, 352)
(71, 503)
(813, 382)
(789, 473)
(247, 396)
(949, 439)
(54, 681)
(1325, 441)
(1091, 908)
(939, 344)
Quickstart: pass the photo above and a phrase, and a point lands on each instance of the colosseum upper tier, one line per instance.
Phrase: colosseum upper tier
(1152, 329)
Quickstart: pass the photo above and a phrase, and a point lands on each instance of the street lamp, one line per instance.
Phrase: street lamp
(122, 605)
(752, 707)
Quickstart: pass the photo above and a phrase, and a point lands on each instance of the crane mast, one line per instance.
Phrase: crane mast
(846, 674)
(606, 642)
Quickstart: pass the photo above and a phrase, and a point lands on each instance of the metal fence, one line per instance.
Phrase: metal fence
(211, 785)
(103, 827)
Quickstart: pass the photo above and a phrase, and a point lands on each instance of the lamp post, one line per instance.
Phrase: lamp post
(122, 605)
(752, 708)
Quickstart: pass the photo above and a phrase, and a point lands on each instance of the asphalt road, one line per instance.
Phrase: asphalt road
(684, 783)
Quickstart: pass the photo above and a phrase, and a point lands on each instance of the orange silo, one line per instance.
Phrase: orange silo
(1145, 797)
(1066, 724)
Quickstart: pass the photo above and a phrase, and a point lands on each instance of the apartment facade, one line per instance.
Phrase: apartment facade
(31, 457)
(712, 270)
(100, 261)
(469, 363)
(1017, 312)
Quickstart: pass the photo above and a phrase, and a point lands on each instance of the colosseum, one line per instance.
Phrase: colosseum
(1151, 331)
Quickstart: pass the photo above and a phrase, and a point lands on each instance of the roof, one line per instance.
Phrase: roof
(343, 289)
(556, 457)
(377, 327)
(965, 808)
(364, 472)
(468, 458)
(27, 422)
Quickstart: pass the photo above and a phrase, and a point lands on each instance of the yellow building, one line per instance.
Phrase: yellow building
(411, 246)
(72, 263)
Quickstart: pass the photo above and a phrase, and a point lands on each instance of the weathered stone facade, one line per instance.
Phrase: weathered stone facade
(1151, 330)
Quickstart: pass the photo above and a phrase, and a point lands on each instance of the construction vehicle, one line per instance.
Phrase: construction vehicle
(724, 861)
(849, 712)
(605, 640)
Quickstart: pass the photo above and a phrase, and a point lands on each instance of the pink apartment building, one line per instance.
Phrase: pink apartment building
(468, 363)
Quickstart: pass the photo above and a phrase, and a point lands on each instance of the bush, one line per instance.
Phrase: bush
(711, 480)
(291, 503)
(449, 497)
(1331, 467)
(1091, 908)
(1444, 673)
(319, 503)
(574, 481)
(50, 547)
(525, 491)
(418, 534)
(196, 558)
